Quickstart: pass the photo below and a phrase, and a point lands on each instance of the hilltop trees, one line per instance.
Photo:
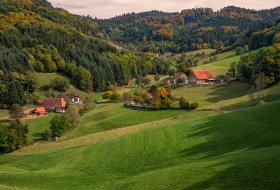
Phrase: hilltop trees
(264, 63)
(161, 32)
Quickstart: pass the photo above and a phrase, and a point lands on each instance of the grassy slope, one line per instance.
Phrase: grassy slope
(219, 67)
(212, 94)
(239, 150)
(112, 116)
(221, 56)
(192, 54)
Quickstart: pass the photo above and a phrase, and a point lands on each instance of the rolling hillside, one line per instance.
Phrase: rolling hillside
(193, 137)
(232, 151)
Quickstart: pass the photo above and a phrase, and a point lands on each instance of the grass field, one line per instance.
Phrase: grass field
(192, 54)
(220, 56)
(211, 94)
(238, 150)
(36, 127)
(219, 67)
(112, 116)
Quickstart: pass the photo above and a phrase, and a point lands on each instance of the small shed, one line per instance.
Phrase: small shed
(233, 80)
(40, 111)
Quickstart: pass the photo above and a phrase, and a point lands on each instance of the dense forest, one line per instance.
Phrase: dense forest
(191, 29)
(36, 37)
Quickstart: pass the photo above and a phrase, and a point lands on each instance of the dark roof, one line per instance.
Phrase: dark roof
(168, 54)
(166, 81)
(71, 96)
(179, 75)
(52, 103)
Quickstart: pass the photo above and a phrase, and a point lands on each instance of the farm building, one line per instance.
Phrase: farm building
(202, 77)
(40, 111)
(166, 82)
(57, 105)
(178, 76)
(233, 80)
(72, 98)
(168, 54)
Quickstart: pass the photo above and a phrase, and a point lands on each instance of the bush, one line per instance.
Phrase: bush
(138, 100)
(194, 106)
(107, 95)
(166, 103)
(146, 81)
(171, 72)
(126, 96)
(111, 95)
(157, 77)
(186, 104)
(115, 96)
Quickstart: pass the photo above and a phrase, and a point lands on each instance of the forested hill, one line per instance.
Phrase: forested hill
(188, 30)
(36, 37)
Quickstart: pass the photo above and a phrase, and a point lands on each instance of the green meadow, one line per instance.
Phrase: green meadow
(237, 150)
(219, 67)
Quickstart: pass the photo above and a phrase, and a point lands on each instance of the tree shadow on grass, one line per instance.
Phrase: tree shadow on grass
(38, 137)
(250, 103)
(246, 129)
(257, 174)
(249, 140)
(226, 92)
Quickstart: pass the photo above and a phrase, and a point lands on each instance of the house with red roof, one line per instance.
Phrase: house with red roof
(57, 105)
(202, 77)
(180, 76)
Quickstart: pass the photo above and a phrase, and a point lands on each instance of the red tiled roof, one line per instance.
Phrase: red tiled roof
(204, 75)
(52, 103)
(40, 110)
(179, 75)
